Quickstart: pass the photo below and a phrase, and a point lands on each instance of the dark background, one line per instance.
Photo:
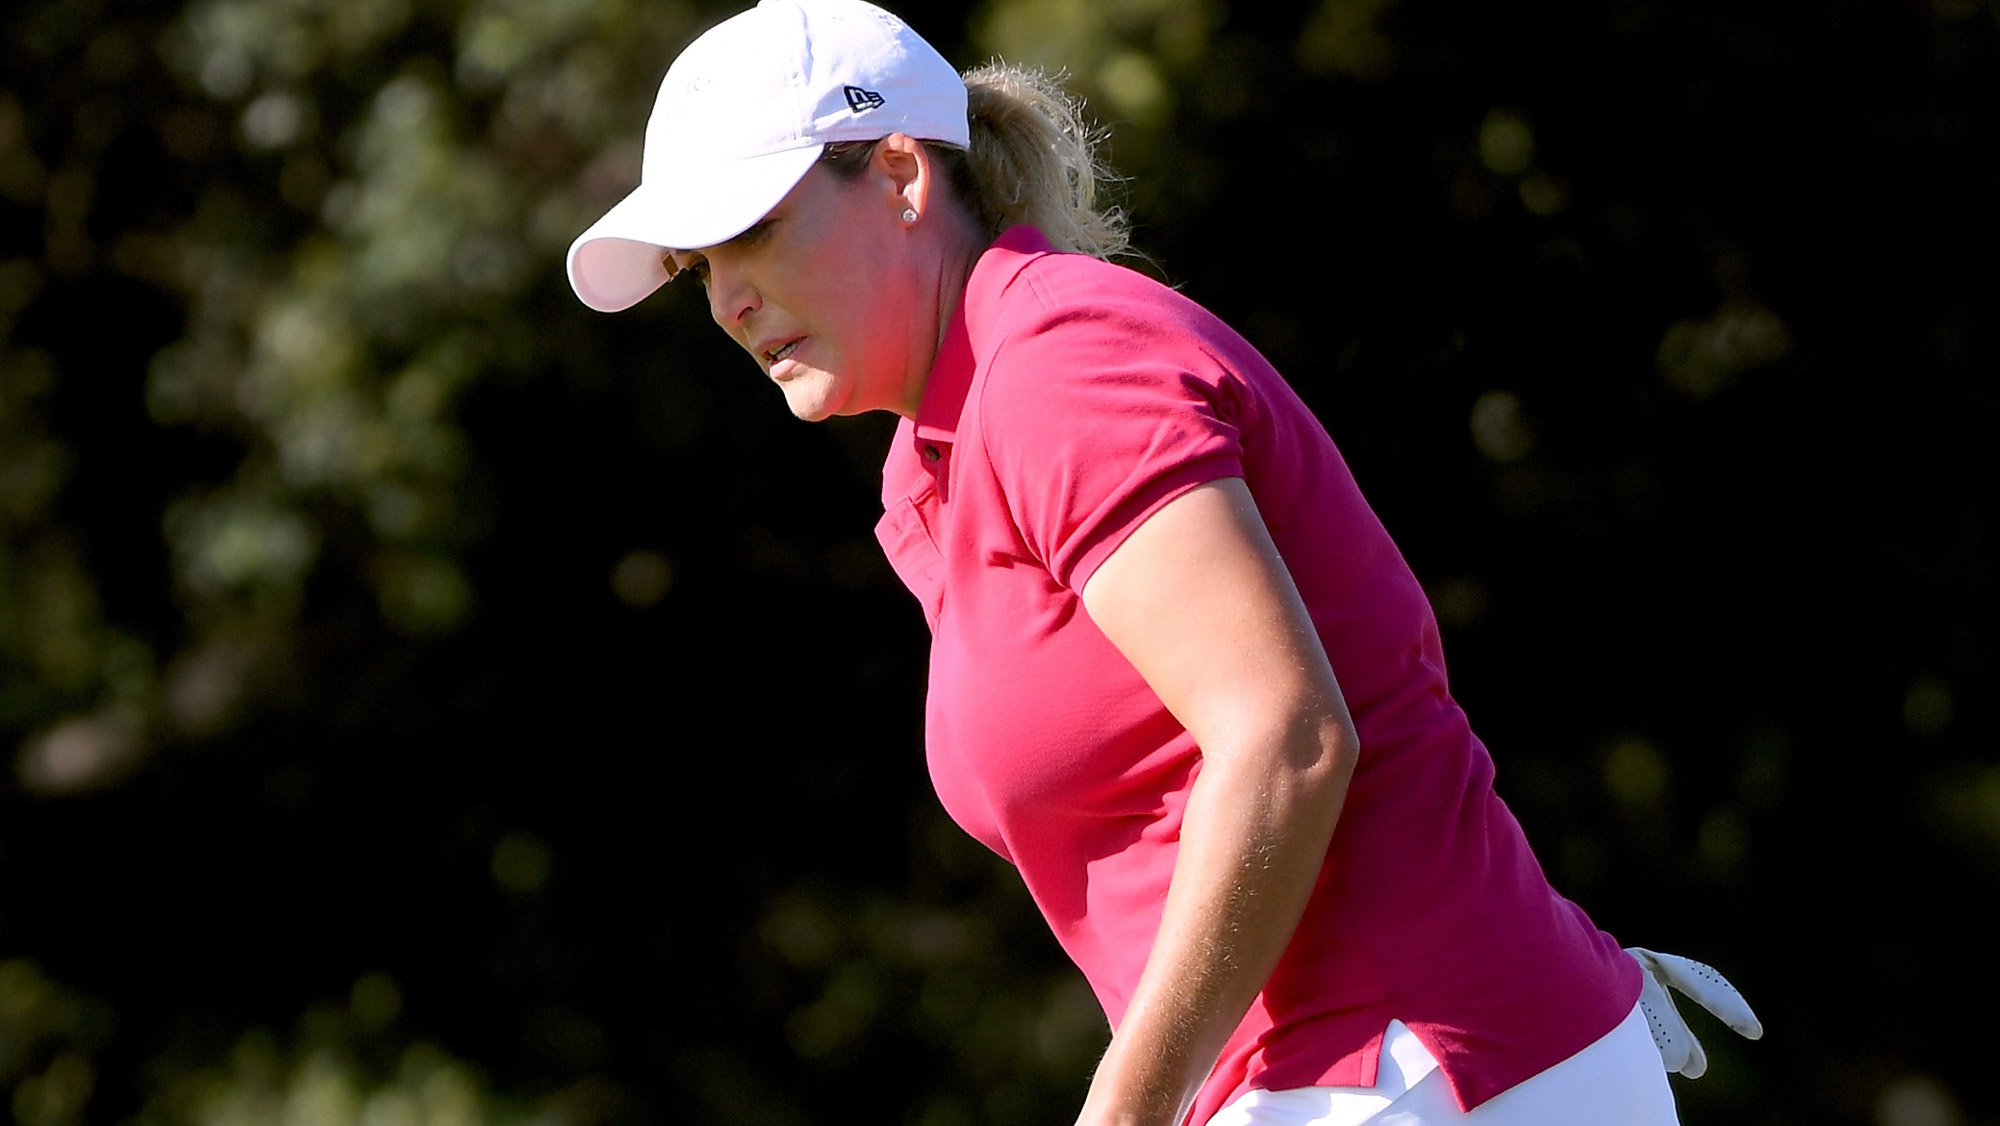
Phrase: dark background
(430, 701)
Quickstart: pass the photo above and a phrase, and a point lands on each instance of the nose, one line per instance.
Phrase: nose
(731, 296)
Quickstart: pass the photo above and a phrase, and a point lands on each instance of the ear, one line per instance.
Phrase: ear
(907, 175)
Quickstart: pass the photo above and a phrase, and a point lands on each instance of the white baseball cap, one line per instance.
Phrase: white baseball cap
(742, 115)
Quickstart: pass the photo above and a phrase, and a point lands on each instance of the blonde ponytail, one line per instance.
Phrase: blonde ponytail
(1033, 159)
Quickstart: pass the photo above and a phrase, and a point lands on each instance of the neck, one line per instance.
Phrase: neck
(960, 243)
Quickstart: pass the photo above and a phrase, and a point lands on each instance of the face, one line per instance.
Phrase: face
(815, 294)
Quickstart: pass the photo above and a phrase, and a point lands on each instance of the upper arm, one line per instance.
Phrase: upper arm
(1091, 416)
(1199, 600)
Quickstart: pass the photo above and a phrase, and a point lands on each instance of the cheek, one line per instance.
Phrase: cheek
(852, 300)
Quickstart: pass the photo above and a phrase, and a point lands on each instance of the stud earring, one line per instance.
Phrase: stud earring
(909, 214)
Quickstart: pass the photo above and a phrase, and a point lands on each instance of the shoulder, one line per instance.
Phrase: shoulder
(1073, 316)
(1054, 325)
(1077, 289)
(1023, 284)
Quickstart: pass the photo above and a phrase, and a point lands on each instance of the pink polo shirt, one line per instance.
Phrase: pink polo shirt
(1070, 400)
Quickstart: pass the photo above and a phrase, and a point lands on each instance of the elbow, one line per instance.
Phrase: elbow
(1301, 762)
(1333, 749)
(1320, 745)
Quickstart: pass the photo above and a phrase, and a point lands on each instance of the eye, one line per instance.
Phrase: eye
(695, 264)
(759, 232)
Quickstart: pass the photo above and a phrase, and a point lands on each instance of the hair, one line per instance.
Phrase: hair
(1033, 159)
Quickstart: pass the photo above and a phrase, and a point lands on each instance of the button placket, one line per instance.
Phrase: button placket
(936, 457)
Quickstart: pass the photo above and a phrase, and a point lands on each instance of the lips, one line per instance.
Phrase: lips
(779, 353)
(773, 351)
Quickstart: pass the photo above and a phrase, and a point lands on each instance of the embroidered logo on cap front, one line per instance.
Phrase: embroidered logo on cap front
(860, 100)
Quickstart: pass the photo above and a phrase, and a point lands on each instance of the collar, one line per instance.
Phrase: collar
(946, 386)
(950, 379)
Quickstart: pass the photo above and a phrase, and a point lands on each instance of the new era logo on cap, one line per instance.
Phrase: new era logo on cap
(861, 101)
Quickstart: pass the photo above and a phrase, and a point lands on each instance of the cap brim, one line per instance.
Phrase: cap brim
(616, 263)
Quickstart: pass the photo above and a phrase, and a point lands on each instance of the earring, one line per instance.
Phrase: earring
(909, 214)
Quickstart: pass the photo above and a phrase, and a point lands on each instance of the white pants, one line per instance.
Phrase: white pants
(1617, 1081)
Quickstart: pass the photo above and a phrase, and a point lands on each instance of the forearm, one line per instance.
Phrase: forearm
(1199, 600)
(1253, 839)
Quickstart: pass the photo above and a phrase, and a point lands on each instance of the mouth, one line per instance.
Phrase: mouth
(776, 355)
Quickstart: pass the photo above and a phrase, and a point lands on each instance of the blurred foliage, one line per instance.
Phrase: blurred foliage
(429, 701)
(47, 1033)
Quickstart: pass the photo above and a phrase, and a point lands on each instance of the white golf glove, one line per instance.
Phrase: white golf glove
(1678, 1048)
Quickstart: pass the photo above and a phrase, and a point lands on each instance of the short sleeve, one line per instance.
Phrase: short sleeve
(1094, 416)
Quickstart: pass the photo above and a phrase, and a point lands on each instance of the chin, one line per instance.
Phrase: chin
(816, 397)
(811, 408)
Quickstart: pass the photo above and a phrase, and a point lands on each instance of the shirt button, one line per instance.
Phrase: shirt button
(931, 453)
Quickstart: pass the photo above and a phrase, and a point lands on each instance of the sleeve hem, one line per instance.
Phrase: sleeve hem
(1138, 508)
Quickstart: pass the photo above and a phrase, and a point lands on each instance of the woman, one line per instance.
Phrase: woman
(1180, 676)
